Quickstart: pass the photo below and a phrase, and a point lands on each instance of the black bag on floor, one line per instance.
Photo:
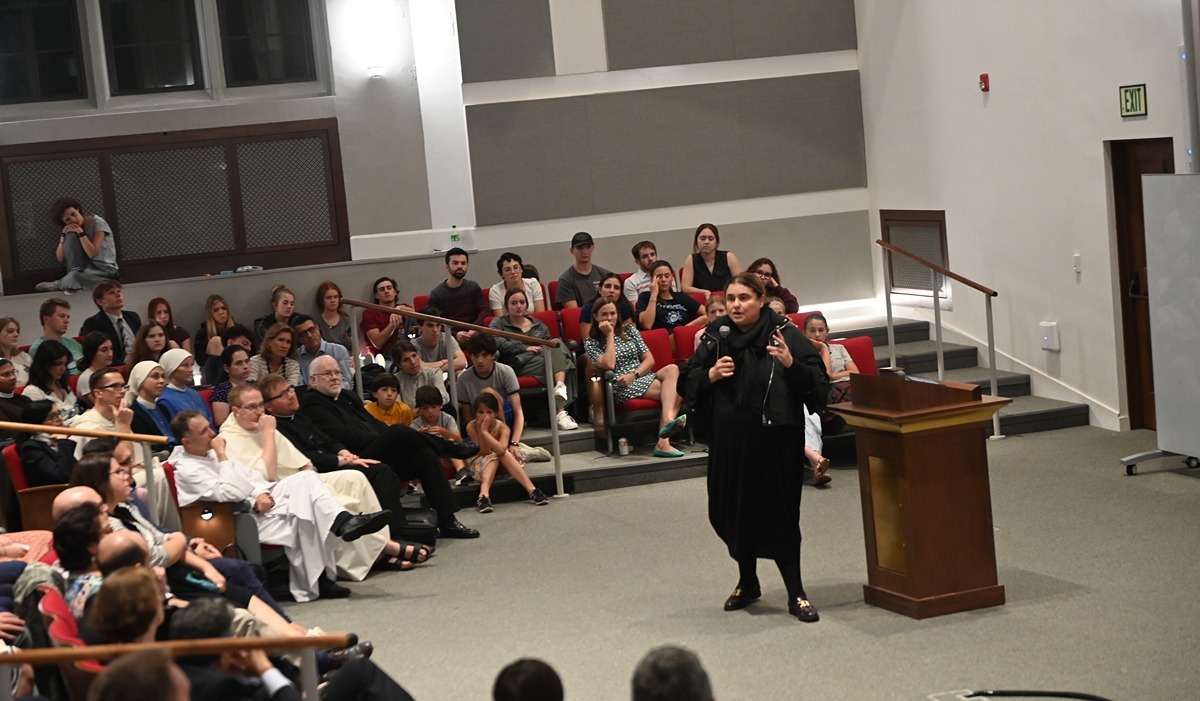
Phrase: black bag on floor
(420, 526)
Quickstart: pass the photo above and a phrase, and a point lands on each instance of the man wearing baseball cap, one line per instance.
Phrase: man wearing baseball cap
(580, 282)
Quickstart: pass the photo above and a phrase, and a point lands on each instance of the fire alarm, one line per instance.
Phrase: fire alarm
(985, 83)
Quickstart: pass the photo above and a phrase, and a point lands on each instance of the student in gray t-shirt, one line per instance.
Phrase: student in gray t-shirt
(431, 345)
(431, 419)
(578, 284)
(487, 374)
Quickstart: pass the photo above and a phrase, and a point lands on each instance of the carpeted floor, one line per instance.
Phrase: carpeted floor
(1097, 567)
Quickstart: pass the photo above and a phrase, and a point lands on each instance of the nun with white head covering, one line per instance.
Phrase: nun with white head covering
(147, 380)
(178, 365)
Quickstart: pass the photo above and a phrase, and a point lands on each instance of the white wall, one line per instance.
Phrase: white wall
(1021, 172)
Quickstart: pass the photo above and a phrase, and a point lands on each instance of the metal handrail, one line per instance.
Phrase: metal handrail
(935, 271)
(447, 325)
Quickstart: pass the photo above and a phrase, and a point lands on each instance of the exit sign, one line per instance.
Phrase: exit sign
(1133, 100)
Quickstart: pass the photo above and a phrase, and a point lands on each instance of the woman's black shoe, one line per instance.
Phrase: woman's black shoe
(741, 598)
(803, 609)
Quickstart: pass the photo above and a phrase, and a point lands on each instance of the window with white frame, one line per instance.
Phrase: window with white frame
(40, 55)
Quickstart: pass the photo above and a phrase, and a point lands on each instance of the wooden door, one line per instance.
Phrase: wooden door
(1130, 161)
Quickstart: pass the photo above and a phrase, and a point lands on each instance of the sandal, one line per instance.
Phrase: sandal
(394, 564)
(415, 552)
(821, 473)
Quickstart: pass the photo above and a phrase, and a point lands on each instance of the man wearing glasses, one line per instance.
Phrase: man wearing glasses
(313, 346)
(109, 413)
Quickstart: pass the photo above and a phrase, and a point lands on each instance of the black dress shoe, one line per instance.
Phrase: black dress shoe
(462, 451)
(358, 526)
(803, 609)
(455, 529)
(741, 598)
(341, 656)
(329, 589)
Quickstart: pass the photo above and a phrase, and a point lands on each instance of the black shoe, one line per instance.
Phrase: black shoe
(455, 529)
(358, 526)
(340, 656)
(329, 589)
(463, 476)
(537, 498)
(484, 505)
(741, 598)
(462, 451)
(803, 609)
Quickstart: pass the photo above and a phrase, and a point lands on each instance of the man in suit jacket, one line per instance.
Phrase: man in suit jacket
(341, 416)
(112, 320)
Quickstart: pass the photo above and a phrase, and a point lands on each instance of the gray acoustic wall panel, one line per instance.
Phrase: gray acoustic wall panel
(530, 160)
(640, 34)
(504, 40)
(646, 149)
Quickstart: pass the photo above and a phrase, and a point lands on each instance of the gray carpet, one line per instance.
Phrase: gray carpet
(1097, 567)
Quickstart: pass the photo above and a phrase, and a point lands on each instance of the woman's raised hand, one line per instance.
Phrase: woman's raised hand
(778, 348)
(606, 327)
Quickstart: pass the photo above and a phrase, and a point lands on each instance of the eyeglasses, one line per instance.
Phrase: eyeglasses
(121, 471)
(119, 385)
(257, 406)
(291, 389)
(764, 274)
(328, 373)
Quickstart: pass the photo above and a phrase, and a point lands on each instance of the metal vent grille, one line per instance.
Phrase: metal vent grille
(924, 241)
(285, 194)
(173, 202)
(32, 188)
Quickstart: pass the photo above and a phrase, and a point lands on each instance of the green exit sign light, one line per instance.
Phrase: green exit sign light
(1133, 100)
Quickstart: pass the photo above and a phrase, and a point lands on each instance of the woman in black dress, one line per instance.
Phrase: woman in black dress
(754, 383)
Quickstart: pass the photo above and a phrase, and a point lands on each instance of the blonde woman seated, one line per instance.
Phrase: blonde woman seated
(530, 361)
(618, 347)
(491, 434)
(277, 355)
(251, 439)
(10, 347)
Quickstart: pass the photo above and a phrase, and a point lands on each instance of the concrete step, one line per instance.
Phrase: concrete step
(1009, 384)
(907, 331)
(921, 356)
(1032, 414)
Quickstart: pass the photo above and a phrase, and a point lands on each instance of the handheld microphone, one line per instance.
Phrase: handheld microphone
(723, 341)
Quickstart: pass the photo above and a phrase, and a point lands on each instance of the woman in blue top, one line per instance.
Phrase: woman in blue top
(179, 365)
(660, 307)
(85, 245)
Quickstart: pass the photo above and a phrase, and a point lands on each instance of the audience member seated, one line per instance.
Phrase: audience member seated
(129, 607)
(671, 673)
(45, 457)
(412, 375)
(283, 305)
(147, 380)
(661, 307)
(460, 298)
(512, 277)
(97, 353)
(618, 347)
(277, 354)
(251, 439)
(48, 379)
(80, 520)
(249, 675)
(579, 282)
(530, 361)
(332, 319)
(432, 420)
(838, 363)
(159, 310)
(179, 395)
(775, 304)
(109, 413)
(214, 372)
(149, 344)
(217, 318)
(484, 373)
(312, 345)
(236, 362)
(12, 405)
(85, 247)
(645, 255)
(527, 680)
(413, 455)
(55, 314)
(10, 347)
(766, 271)
(326, 454)
(298, 513)
(387, 406)
(383, 330)
(610, 289)
(714, 308)
(489, 431)
(112, 320)
(432, 346)
(138, 676)
(708, 269)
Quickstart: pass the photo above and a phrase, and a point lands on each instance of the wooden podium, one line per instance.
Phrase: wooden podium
(926, 501)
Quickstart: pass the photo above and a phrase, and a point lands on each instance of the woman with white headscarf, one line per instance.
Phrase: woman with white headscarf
(178, 365)
(147, 380)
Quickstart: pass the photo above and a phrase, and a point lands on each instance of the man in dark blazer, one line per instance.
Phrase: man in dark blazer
(112, 320)
(412, 454)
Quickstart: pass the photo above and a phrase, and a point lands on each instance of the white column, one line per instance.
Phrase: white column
(578, 30)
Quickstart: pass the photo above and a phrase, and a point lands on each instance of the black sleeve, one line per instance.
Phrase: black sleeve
(43, 467)
(330, 420)
(807, 375)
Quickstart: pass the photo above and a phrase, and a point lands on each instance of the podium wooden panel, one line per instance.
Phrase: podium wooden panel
(926, 500)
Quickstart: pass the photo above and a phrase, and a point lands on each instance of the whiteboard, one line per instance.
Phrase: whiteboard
(1171, 205)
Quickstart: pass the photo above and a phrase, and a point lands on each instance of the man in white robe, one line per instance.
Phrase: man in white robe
(298, 513)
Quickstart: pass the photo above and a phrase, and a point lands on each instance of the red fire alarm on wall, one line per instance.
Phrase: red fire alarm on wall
(985, 83)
